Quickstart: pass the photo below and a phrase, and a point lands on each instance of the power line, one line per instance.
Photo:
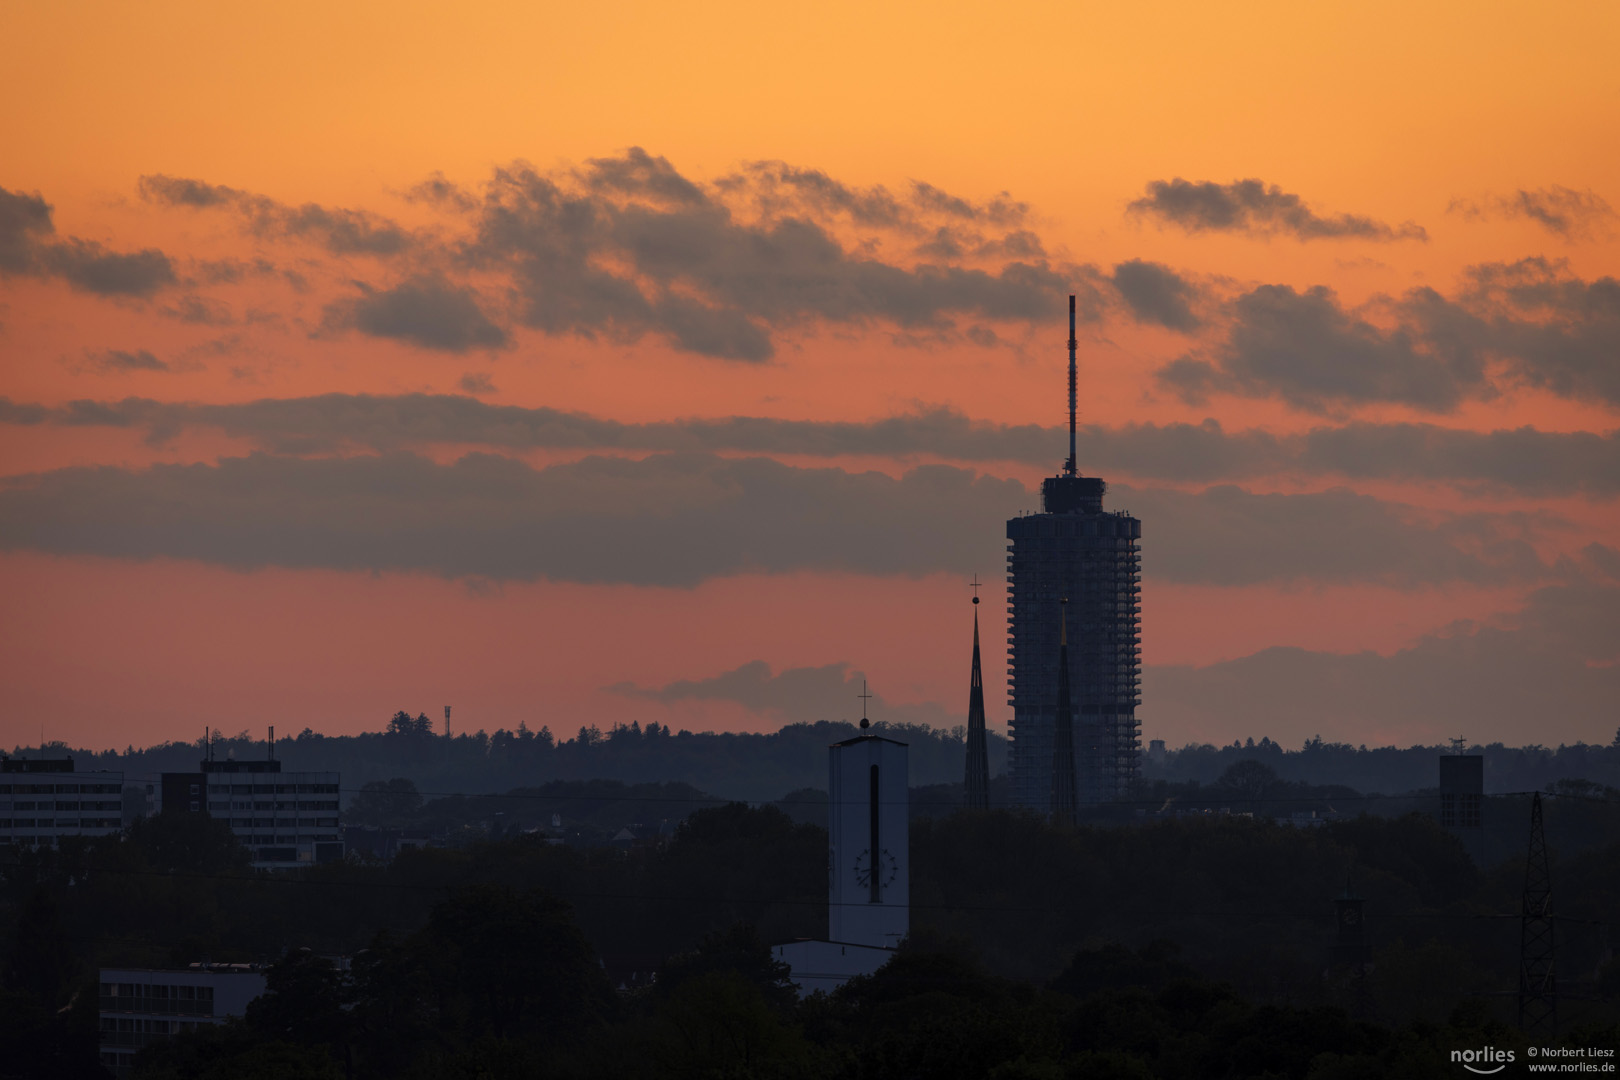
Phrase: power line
(1167, 802)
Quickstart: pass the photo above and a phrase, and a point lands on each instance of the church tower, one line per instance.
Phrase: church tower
(869, 887)
(868, 864)
(976, 782)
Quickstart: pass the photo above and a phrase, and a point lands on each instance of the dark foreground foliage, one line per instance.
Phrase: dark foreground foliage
(1195, 947)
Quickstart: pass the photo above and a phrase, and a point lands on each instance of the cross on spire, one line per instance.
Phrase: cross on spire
(865, 697)
(975, 584)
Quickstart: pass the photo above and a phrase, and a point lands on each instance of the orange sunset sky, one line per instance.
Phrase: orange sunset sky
(586, 364)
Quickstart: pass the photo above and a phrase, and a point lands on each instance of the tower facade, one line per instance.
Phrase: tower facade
(1074, 551)
(869, 886)
(1063, 785)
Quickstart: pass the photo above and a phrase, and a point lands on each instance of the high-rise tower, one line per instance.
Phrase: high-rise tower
(1074, 550)
(977, 778)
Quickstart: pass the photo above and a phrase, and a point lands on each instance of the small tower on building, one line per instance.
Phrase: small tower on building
(976, 782)
(1462, 798)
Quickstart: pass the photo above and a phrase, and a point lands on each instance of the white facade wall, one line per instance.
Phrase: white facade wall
(869, 888)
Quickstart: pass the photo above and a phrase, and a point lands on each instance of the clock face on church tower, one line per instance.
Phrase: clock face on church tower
(886, 868)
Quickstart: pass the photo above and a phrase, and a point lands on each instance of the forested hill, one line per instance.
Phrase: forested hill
(1392, 770)
(763, 767)
(751, 767)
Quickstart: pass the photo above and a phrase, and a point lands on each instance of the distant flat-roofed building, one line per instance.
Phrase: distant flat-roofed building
(286, 819)
(44, 799)
(141, 1006)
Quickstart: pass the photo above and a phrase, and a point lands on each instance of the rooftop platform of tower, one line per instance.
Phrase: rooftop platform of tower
(1065, 494)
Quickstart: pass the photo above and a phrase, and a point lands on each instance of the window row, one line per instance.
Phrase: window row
(61, 823)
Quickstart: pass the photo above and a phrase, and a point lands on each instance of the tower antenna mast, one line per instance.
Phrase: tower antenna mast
(1070, 467)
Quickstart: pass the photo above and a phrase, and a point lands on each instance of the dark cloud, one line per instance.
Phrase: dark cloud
(1573, 215)
(24, 219)
(668, 520)
(1529, 323)
(121, 361)
(1228, 536)
(793, 695)
(1522, 461)
(778, 188)
(87, 265)
(626, 246)
(634, 248)
(233, 271)
(1256, 208)
(427, 311)
(1554, 662)
(1556, 331)
(200, 311)
(26, 248)
(476, 382)
(1154, 293)
(1312, 353)
(678, 519)
(439, 191)
(642, 175)
(343, 232)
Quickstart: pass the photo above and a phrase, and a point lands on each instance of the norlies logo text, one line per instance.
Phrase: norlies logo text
(1490, 1055)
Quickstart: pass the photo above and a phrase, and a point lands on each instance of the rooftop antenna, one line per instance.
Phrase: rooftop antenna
(272, 742)
(865, 697)
(447, 721)
(1458, 745)
(1069, 466)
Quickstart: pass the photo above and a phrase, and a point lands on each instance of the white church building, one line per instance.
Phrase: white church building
(868, 864)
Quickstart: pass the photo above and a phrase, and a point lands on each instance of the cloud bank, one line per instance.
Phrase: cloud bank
(1522, 461)
(1555, 661)
(28, 247)
(1528, 323)
(794, 695)
(1255, 208)
(1562, 211)
(679, 519)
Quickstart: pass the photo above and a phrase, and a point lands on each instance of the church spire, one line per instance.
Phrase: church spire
(977, 780)
(1063, 732)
